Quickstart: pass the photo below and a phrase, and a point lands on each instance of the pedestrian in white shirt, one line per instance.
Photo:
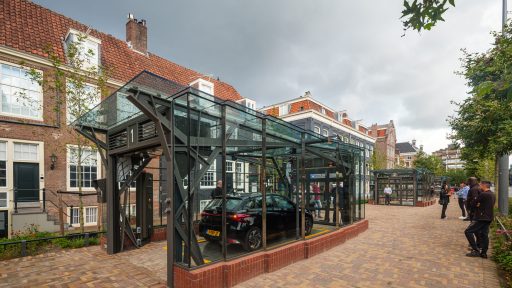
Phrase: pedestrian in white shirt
(387, 193)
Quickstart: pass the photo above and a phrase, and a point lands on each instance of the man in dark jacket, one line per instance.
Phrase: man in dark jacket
(217, 192)
(482, 218)
(474, 190)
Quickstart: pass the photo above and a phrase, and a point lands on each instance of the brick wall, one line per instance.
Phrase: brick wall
(231, 273)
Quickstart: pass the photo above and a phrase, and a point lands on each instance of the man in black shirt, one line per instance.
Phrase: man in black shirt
(218, 190)
(474, 191)
(482, 218)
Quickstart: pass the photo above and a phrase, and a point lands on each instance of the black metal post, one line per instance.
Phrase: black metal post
(303, 184)
(337, 192)
(23, 248)
(15, 190)
(189, 187)
(169, 210)
(297, 198)
(113, 225)
(262, 182)
(86, 239)
(44, 200)
(224, 187)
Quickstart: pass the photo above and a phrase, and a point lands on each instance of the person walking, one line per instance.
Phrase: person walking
(462, 195)
(483, 216)
(387, 194)
(444, 199)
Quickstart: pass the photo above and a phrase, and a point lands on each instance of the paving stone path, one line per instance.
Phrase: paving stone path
(404, 247)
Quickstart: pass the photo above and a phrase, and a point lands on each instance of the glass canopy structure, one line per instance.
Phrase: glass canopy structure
(410, 186)
(281, 182)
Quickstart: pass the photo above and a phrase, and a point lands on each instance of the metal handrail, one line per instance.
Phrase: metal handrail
(503, 229)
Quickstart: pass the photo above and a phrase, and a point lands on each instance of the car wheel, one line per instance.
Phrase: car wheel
(253, 239)
(309, 225)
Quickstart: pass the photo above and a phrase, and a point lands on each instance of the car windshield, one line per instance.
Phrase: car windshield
(216, 204)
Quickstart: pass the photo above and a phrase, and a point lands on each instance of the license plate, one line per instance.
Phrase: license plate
(213, 233)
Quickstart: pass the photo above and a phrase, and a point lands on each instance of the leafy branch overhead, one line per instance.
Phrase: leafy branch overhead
(418, 15)
(484, 120)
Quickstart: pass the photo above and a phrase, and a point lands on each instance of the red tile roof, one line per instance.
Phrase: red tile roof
(30, 28)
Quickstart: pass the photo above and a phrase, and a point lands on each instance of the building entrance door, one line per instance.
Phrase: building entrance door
(26, 182)
(4, 225)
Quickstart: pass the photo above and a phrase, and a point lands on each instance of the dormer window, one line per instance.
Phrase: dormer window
(88, 49)
(203, 86)
(284, 109)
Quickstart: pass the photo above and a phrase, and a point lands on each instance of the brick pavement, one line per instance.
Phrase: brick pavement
(404, 247)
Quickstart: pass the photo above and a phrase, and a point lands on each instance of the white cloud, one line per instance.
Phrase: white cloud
(349, 54)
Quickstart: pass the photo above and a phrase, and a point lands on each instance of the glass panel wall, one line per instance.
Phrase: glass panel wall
(243, 181)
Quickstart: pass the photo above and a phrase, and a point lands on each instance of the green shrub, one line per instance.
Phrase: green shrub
(31, 232)
(502, 249)
(74, 243)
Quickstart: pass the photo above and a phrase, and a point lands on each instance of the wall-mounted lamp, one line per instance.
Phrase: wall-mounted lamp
(53, 161)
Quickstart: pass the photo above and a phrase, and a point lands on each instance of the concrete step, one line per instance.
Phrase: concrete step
(29, 205)
(29, 210)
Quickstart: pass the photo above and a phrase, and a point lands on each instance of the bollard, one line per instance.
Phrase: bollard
(23, 248)
(86, 240)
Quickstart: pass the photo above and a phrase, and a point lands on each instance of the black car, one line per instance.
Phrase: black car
(244, 219)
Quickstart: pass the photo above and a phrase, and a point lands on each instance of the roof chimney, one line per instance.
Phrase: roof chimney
(137, 34)
(414, 142)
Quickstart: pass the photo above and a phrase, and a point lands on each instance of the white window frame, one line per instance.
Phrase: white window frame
(6, 199)
(25, 159)
(284, 109)
(325, 132)
(88, 40)
(212, 169)
(68, 170)
(95, 216)
(204, 86)
(92, 105)
(316, 129)
(77, 215)
(41, 97)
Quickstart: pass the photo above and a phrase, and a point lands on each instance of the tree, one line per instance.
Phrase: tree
(483, 123)
(424, 14)
(379, 160)
(430, 162)
(456, 176)
(73, 79)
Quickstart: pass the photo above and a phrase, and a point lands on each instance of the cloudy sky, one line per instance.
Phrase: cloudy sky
(349, 54)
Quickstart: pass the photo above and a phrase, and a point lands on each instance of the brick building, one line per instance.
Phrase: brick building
(406, 153)
(385, 144)
(36, 144)
(310, 114)
(451, 157)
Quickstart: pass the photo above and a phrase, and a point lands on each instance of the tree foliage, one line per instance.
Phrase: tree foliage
(379, 160)
(73, 79)
(430, 162)
(483, 123)
(482, 168)
(456, 176)
(418, 15)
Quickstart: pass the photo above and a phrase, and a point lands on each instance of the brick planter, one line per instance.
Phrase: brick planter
(231, 273)
(425, 203)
